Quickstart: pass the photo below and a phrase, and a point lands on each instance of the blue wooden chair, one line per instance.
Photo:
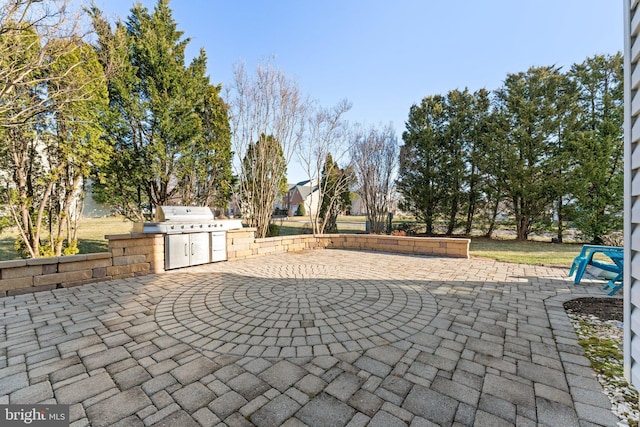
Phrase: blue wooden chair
(585, 259)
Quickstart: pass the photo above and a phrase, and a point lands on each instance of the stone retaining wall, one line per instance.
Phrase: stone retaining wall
(438, 246)
(137, 254)
(242, 244)
(129, 255)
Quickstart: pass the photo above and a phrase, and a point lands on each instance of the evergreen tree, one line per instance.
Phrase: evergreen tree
(524, 143)
(440, 173)
(205, 178)
(422, 160)
(457, 143)
(167, 124)
(598, 147)
(548, 144)
(336, 196)
(122, 182)
(562, 149)
(476, 181)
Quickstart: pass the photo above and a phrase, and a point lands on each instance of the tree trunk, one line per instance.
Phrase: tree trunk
(38, 225)
(522, 220)
(522, 228)
(63, 218)
(598, 232)
(452, 217)
(560, 221)
(471, 207)
(429, 221)
(492, 220)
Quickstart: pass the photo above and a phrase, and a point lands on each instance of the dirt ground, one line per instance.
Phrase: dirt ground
(603, 308)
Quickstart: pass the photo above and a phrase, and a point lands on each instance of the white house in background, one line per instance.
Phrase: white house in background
(357, 206)
(304, 192)
(91, 208)
(631, 344)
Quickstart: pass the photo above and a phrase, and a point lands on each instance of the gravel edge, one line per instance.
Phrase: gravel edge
(623, 396)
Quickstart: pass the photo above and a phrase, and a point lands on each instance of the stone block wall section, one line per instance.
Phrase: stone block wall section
(434, 246)
(242, 244)
(137, 254)
(129, 255)
(43, 274)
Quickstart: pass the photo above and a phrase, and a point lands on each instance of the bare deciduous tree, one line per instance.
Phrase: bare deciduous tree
(264, 105)
(35, 36)
(326, 137)
(374, 154)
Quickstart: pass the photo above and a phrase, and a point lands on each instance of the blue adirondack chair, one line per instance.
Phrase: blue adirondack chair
(616, 283)
(615, 268)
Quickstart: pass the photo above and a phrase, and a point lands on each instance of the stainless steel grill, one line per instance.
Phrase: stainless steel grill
(184, 213)
(186, 219)
(192, 235)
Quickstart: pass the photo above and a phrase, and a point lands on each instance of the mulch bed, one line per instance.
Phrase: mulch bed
(604, 308)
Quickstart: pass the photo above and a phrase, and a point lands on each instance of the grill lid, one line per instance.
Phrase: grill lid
(183, 214)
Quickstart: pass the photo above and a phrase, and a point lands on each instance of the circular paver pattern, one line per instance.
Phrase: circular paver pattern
(294, 311)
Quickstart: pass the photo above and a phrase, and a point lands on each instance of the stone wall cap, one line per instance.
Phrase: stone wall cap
(385, 236)
(72, 258)
(98, 255)
(275, 239)
(432, 238)
(135, 235)
(42, 261)
(118, 236)
(13, 263)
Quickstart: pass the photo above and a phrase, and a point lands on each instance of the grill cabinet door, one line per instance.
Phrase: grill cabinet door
(199, 248)
(176, 251)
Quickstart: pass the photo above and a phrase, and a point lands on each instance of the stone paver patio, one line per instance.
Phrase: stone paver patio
(322, 338)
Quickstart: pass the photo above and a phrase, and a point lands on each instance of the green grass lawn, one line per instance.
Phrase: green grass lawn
(302, 225)
(91, 233)
(529, 252)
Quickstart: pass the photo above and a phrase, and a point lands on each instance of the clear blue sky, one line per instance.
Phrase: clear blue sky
(384, 56)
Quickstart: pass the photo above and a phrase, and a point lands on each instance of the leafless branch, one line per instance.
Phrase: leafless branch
(326, 135)
(375, 156)
(34, 36)
(264, 104)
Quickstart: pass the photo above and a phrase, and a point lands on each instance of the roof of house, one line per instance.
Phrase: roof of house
(303, 190)
(306, 190)
(299, 184)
